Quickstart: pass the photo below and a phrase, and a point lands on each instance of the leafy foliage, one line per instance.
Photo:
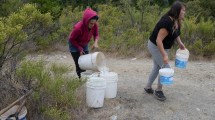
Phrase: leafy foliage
(18, 29)
(124, 26)
(9, 6)
(54, 92)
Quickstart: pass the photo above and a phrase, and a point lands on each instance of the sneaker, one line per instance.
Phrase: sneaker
(82, 70)
(149, 90)
(159, 95)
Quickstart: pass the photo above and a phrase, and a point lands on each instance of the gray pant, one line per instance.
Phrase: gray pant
(157, 63)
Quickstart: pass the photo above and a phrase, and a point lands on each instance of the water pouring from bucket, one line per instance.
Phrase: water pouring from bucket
(181, 58)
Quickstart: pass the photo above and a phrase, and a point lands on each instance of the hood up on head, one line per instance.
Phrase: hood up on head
(87, 15)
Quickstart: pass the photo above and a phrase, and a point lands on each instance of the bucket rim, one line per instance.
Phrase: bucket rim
(21, 115)
(166, 70)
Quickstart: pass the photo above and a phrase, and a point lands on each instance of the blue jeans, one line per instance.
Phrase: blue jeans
(75, 56)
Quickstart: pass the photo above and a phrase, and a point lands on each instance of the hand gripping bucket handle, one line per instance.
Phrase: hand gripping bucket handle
(166, 75)
(165, 66)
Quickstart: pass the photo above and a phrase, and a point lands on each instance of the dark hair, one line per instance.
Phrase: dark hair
(95, 18)
(175, 9)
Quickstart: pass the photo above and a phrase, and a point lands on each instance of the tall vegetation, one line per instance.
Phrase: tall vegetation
(54, 91)
(28, 26)
(19, 30)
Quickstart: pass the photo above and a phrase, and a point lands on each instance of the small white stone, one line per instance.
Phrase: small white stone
(197, 109)
(134, 59)
(113, 117)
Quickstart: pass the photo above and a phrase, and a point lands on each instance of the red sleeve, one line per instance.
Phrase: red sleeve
(96, 32)
(73, 38)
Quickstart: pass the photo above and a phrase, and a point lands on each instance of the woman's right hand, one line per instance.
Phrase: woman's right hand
(165, 59)
(82, 53)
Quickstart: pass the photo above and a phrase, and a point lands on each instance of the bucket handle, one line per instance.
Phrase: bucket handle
(165, 66)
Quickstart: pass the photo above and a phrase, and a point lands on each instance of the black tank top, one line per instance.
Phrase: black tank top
(167, 23)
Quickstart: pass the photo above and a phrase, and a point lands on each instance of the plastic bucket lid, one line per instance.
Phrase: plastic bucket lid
(182, 57)
(184, 52)
(166, 72)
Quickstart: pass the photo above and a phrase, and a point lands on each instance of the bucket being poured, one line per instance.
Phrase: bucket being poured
(95, 91)
(94, 61)
(166, 76)
(21, 116)
(181, 58)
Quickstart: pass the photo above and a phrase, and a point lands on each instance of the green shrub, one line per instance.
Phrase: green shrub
(206, 30)
(194, 9)
(209, 50)
(54, 91)
(188, 31)
(55, 114)
(196, 48)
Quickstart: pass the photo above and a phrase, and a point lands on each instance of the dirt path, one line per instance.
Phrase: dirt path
(191, 97)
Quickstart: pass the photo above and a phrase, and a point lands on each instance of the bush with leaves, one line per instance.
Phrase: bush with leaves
(19, 32)
(54, 92)
(19, 29)
(9, 6)
(199, 36)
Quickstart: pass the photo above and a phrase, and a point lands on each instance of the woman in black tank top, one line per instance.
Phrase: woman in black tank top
(166, 31)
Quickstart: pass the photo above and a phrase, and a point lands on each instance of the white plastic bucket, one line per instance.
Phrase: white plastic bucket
(111, 87)
(182, 57)
(95, 91)
(166, 76)
(94, 61)
(22, 114)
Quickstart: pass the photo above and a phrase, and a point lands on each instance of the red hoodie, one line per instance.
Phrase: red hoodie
(81, 35)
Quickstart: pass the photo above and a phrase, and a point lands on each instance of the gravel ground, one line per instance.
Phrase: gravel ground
(191, 97)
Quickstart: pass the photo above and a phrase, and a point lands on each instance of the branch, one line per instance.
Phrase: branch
(15, 102)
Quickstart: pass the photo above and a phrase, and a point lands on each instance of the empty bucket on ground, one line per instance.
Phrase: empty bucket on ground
(166, 76)
(111, 81)
(21, 116)
(181, 58)
(95, 91)
(94, 61)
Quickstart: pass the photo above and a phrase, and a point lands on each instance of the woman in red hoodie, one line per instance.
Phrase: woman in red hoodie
(81, 36)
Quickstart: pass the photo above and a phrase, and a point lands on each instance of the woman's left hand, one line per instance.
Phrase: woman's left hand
(182, 46)
(95, 45)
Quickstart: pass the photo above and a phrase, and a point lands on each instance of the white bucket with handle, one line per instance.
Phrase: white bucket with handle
(95, 91)
(93, 61)
(182, 57)
(111, 80)
(166, 76)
